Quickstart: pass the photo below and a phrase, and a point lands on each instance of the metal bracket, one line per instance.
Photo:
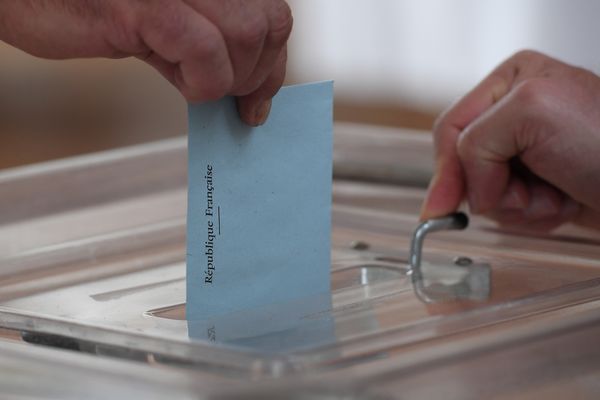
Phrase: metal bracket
(473, 284)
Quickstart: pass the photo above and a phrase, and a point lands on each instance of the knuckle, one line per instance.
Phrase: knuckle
(209, 45)
(526, 55)
(533, 62)
(532, 94)
(473, 144)
(123, 33)
(281, 23)
(251, 32)
(168, 22)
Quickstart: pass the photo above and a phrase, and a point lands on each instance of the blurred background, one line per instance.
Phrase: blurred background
(395, 63)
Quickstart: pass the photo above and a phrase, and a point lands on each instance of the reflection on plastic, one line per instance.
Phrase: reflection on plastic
(298, 324)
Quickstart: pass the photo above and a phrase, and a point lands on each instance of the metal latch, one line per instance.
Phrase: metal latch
(472, 281)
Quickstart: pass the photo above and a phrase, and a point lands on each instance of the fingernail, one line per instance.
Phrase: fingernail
(262, 112)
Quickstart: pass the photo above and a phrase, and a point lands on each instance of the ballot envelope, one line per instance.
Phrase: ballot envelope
(92, 291)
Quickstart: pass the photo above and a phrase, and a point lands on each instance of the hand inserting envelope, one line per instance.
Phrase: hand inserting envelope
(259, 212)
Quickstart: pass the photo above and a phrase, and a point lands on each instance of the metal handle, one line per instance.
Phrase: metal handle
(456, 221)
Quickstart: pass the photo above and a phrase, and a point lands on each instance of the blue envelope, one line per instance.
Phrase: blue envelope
(259, 211)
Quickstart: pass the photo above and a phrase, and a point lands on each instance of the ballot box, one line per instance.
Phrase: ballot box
(92, 291)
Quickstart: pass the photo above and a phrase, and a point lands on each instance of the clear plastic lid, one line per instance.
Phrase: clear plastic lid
(102, 270)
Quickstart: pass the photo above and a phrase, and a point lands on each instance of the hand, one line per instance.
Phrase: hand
(523, 147)
(206, 48)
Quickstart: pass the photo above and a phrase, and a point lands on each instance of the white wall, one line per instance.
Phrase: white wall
(428, 52)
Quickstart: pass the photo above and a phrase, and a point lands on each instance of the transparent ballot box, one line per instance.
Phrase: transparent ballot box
(92, 292)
